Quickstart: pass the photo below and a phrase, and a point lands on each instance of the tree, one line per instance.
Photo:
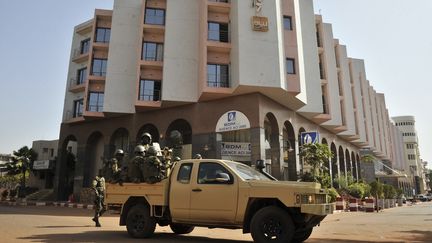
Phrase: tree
(21, 163)
(315, 155)
(377, 189)
(367, 158)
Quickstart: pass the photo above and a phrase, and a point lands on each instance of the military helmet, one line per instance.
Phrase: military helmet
(197, 156)
(146, 134)
(119, 152)
(139, 149)
(176, 159)
(152, 150)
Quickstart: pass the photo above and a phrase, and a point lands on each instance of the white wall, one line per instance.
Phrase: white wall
(121, 80)
(357, 70)
(333, 99)
(181, 51)
(309, 73)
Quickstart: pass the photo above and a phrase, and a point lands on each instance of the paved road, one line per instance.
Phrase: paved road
(50, 224)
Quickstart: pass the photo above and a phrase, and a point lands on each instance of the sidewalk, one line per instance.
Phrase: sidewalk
(38, 203)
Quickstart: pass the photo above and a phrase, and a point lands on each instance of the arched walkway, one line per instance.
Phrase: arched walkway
(289, 153)
(67, 166)
(119, 140)
(272, 145)
(93, 159)
(342, 161)
(179, 136)
(334, 162)
(148, 128)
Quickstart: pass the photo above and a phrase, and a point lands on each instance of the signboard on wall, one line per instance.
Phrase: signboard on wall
(260, 24)
(232, 121)
(235, 149)
(41, 165)
(309, 137)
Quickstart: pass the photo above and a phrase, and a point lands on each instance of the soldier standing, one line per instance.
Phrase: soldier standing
(99, 189)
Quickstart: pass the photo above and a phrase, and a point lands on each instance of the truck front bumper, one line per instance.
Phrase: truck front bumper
(318, 209)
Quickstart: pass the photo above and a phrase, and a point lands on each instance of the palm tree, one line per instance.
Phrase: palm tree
(21, 162)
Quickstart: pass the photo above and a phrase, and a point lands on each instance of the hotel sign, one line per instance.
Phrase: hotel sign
(232, 121)
(260, 24)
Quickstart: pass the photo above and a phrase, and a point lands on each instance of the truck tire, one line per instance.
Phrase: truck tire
(139, 223)
(272, 225)
(302, 235)
(181, 229)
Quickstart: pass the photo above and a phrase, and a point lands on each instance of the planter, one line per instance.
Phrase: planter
(353, 205)
(400, 202)
(369, 205)
(340, 205)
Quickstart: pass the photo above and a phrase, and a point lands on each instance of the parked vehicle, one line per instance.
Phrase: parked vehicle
(221, 194)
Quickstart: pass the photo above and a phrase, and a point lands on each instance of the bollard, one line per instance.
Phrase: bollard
(353, 205)
(370, 205)
(339, 203)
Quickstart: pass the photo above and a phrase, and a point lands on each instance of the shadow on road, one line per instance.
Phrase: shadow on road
(345, 241)
(417, 236)
(52, 211)
(121, 236)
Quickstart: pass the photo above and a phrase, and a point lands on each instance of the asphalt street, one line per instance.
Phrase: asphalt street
(55, 224)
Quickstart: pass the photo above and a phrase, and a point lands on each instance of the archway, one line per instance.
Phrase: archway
(334, 162)
(179, 137)
(327, 166)
(272, 145)
(358, 167)
(151, 129)
(299, 144)
(93, 160)
(354, 166)
(342, 161)
(69, 151)
(348, 163)
(119, 140)
(290, 172)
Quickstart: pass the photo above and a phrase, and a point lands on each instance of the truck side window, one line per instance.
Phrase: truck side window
(184, 173)
(208, 172)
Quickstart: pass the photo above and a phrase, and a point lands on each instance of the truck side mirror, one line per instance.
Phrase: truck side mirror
(260, 165)
(223, 178)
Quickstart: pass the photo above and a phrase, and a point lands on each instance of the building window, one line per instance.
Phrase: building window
(218, 75)
(318, 36)
(288, 23)
(218, 32)
(324, 99)
(154, 16)
(78, 108)
(51, 152)
(81, 76)
(321, 66)
(99, 67)
(150, 90)
(96, 101)
(103, 35)
(152, 51)
(85, 46)
(290, 66)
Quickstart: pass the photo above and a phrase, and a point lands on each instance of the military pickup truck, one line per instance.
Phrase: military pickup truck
(221, 194)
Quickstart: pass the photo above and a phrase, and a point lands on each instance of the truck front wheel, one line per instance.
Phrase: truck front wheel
(181, 229)
(272, 225)
(302, 235)
(139, 223)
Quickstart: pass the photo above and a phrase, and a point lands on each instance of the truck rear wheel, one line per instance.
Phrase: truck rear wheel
(181, 228)
(139, 223)
(272, 225)
(302, 235)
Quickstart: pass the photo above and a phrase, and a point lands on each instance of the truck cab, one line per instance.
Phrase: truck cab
(221, 194)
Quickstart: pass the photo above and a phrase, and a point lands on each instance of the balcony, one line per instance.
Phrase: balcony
(74, 87)
(219, 6)
(79, 57)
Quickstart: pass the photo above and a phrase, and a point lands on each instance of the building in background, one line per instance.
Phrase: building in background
(237, 81)
(43, 169)
(414, 166)
(4, 159)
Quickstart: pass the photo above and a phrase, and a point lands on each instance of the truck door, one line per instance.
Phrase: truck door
(180, 191)
(212, 200)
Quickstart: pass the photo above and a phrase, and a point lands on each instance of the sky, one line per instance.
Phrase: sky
(392, 36)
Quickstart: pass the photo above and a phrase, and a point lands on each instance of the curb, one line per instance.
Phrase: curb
(44, 204)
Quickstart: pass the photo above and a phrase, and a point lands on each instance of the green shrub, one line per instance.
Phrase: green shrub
(332, 194)
(376, 189)
(356, 190)
(389, 192)
(4, 194)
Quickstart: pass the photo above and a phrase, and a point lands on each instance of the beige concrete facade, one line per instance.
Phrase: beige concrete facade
(284, 79)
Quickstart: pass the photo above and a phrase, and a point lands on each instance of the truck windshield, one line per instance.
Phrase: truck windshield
(246, 172)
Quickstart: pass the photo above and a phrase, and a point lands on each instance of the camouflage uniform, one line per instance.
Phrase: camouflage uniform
(152, 167)
(135, 164)
(99, 189)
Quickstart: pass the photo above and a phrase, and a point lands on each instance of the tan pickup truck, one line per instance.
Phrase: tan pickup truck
(221, 194)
